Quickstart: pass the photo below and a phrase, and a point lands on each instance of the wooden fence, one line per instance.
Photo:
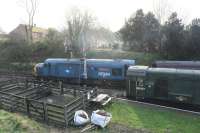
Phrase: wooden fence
(26, 100)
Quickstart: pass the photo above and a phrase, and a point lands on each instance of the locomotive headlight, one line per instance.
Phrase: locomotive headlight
(37, 69)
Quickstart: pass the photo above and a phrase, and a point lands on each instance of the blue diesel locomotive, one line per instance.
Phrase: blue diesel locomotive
(100, 72)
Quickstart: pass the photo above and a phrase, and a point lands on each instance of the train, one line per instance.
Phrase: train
(168, 84)
(100, 72)
(175, 83)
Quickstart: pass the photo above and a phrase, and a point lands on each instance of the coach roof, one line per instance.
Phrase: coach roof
(90, 61)
(143, 70)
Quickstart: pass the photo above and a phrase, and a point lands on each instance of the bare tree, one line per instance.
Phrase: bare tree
(1, 30)
(161, 9)
(77, 26)
(184, 15)
(30, 7)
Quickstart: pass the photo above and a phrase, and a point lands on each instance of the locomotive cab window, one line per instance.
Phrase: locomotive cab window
(117, 72)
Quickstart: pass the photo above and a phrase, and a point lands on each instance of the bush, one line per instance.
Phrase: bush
(139, 57)
(15, 52)
(22, 52)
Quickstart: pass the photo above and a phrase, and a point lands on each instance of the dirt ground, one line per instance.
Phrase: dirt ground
(112, 128)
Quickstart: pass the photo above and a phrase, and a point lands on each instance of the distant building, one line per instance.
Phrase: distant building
(4, 37)
(19, 33)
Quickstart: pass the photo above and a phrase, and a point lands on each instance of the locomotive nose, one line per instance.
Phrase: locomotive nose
(35, 70)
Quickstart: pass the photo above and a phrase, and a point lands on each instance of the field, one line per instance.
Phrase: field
(126, 117)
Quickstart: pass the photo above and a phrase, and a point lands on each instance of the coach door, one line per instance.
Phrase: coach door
(131, 88)
(140, 88)
(135, 87)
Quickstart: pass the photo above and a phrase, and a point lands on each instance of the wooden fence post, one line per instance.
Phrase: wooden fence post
(61, 87)
(83, 100)
(1, 102)
(26, 84)
(74, 91)
(65, 116)
(45, 112)
(96, 91)
(27, 107)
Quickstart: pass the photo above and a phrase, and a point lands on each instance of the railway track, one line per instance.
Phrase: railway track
(153, 105)
(16, 75)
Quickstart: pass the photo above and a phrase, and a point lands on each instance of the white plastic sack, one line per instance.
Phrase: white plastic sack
(81, 118)
(100, 118)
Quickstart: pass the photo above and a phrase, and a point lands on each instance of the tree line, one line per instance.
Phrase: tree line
(172, 40)
(50, 46)
(141, 33)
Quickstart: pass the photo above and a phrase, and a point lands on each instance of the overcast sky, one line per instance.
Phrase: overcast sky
(110, 13)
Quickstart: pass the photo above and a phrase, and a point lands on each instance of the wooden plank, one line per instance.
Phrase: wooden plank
(5, 104)
(9, 94)
(74, 107)
(10, 85)
(37, 113)
(11, 88)
(55, 111)
(35, 109)
(36, 97)
(54, 105)
(15, 101)
(33, 96)
(32, 92)
(35, 101)
(56, 119)
(52, 121)
(35, 106)
(14, 107)
(37, 116)
(12, 102)
(55, 116)
(24, 91)
(38, 110)
(4, 83)
(88, 128)
(71, 114)
(73, 102)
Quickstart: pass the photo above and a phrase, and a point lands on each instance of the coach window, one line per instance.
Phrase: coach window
(117, 72)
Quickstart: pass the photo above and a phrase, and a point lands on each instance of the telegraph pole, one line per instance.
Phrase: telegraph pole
(84, 58)
(68, 48)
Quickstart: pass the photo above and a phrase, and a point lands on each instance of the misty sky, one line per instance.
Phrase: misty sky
(110, 13)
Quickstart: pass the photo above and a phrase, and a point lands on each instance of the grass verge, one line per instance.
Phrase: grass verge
(15, 123)
(154, 120)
